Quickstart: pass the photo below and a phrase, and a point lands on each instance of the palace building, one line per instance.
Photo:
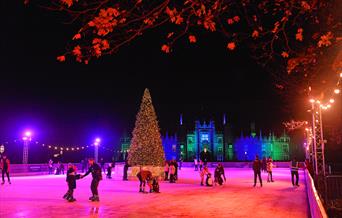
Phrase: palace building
(187, 144)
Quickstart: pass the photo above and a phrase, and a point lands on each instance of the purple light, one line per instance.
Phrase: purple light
(98, 140)
(96, 143)
(28, 133)
(25, 138)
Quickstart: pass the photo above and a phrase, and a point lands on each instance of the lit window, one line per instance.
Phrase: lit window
(204, 137)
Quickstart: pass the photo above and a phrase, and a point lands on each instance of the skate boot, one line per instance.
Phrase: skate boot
(3, 182)
(66, 196)
(96, 198)
(9, 182)
(91, 198)
(71, 199)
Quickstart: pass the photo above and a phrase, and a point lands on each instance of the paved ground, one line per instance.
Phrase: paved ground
(41, 196)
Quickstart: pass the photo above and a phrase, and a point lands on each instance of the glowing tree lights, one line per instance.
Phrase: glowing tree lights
(26, 139)
(96, 144)
(146, 145)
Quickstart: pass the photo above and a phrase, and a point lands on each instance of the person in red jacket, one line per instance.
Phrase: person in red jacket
(5, 165)
(144, 176)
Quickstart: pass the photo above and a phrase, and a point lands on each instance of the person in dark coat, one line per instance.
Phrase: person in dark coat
(205, 156)
(62, 168)
(294, 171)
(109, 171)
(125, 169)
(144, 176)
(96, 173)
(219, 172)
(71, 180)
(5, 166)
(257, 170)
(102, 162)
(264, 164)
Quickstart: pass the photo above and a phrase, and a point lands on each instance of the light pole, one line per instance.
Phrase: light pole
(97, 142)
(26, 138)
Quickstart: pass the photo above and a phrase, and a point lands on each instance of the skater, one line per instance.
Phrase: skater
(102, 162)
(209, 180)
(96, 173)
(166, 171)
(205, 156)
(109, 171)
(200, 165)
(264, 164)
(180, 163)
(269, 169)
(125, 169)
(204, 173)
(219, 172)
(71, 180)
(50, 166)
(5, 166)
(155, 185)
(257, 170)
(294, 171)
(144, 176)
(176, 170)
(58, 168)
(196, 164)
(172, 171)
(61, 166)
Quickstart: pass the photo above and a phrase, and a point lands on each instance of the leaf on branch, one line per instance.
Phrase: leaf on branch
(165, 48)
(325, 40)
(231, 45)
(285, 54)
(179, 20)
(61, 58)
(192, 39)
(77, 36)
(299, 34)
(67, 2)
(169, 35)
(77, 51)
(236, 18)
(305, 5)
(230, 21)
(209, 23)
(255, 34)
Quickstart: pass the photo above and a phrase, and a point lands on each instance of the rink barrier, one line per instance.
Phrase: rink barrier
(315, 204)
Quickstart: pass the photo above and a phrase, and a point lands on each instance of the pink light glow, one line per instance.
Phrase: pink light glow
(98, 140)
(28, 133)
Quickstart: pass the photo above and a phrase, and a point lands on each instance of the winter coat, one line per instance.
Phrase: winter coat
(172, 169)
(71, 178)
(144, 175)
(95, 171)
(257, 165)
(294, 165)
(5, 164)
(166, 169)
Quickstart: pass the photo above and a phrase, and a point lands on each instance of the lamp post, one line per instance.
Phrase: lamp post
(26, 138)
(97, 142)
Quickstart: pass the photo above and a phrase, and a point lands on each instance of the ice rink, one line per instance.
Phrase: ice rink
(41, 196)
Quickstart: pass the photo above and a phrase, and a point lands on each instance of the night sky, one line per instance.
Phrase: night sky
(72, 103)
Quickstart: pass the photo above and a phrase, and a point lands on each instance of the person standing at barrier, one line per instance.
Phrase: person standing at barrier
(5, 165)
(50, 166)
(125, 170)
(257, 170)
(96, 173)
(294, 171)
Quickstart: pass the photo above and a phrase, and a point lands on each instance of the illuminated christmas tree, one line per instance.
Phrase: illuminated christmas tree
(146, 145)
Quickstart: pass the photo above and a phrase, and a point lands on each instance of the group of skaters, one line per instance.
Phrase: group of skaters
(5, 168)
(72, 176)
(59, 168)
(219, 176)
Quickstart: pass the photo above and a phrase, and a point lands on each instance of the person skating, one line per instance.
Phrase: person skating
(62, 168)
(102, 162)
(5, 165)
(204, 172)
(200, 165)
(125, 169)
(166, 171)
(209, 180)
(196, 164)
(172, 172)
(155, 185)
(50, 166)
(294, 171)
(219, 172)
(269, 170)
(264, 164)
(71, 180)
(144, 176)
(96, 173)
(205, 156)
(180, 163)
(109, 171)
(257, 170)
(176, 170)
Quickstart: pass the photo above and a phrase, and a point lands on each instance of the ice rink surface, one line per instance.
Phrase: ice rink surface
(41, 196)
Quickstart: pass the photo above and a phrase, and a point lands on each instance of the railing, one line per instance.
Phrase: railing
(316, 207)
